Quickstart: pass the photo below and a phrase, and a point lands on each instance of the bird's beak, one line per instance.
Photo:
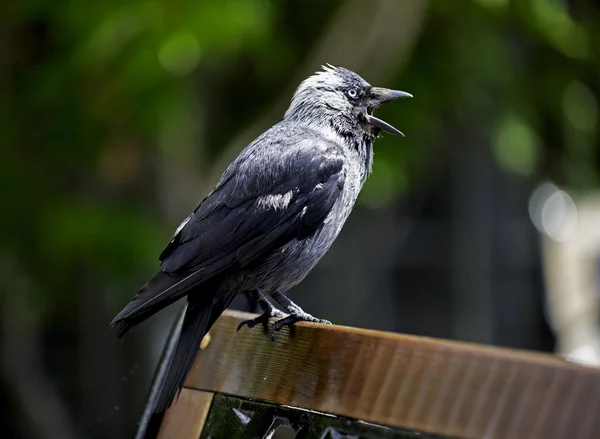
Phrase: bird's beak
(379, 96)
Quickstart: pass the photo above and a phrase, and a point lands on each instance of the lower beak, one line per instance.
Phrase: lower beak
(379, 96)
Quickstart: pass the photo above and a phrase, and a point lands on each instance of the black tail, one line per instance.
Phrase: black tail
(199, 317)
(205, 305)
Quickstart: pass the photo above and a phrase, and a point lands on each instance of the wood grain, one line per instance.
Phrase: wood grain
(185, 419)
(439, 387)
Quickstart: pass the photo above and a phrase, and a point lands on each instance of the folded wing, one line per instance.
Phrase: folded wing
(260, 204)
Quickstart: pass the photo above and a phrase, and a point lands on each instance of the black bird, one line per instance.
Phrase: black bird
(274, 213)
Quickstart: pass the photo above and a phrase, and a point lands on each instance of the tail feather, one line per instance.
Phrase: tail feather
(206, 302)
(200, 315)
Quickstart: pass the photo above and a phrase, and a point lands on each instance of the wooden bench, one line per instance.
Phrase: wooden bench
(319, 381)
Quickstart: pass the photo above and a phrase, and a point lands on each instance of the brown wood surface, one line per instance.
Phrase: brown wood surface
(185, 419)
(440, 387)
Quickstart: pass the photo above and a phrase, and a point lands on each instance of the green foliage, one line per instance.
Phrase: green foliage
(102, 94)
(516, 146)
(95, 86)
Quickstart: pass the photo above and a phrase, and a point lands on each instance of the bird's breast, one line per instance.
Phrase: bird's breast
(290, 264)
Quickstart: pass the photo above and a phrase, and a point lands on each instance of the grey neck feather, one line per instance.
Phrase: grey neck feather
(344, 126)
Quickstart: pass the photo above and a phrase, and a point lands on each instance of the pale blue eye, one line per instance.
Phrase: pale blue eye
(352, 93)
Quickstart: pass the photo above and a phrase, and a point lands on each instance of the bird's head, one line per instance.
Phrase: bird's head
(341, 99)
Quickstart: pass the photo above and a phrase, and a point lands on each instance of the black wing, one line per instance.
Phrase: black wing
(257, 209)
(239, 222)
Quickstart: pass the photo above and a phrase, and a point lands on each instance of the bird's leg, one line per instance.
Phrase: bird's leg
(251, 299)
(297, 314)
(268, 309)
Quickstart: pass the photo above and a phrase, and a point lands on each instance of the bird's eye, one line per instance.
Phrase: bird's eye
(352, 93)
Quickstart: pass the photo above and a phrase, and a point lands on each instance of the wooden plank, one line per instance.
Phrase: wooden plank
(438, 387)
(185, 418)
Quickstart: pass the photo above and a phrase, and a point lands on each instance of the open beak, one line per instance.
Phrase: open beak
(379, 96)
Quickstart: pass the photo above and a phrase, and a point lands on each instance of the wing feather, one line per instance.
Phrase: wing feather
(228, 221)
(232, 227)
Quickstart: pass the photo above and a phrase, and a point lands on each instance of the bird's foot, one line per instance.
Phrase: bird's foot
(268, 311)
(297, 314)
(289, 320)
(262, 319)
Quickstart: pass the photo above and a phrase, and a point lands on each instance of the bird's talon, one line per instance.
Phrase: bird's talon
(291, 319)
(251, 323)
(262, 319)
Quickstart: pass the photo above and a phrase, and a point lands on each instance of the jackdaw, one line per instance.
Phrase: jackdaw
(274, 213)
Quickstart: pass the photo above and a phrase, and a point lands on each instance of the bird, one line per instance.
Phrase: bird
(276, 210)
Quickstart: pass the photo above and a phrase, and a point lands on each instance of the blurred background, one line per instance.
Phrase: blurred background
(480, 225)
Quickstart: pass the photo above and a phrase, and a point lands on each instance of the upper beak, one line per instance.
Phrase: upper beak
(379, 96)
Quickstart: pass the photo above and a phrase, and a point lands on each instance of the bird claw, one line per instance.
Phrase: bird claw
(289, 320)
(296, 314)
(262, 319)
